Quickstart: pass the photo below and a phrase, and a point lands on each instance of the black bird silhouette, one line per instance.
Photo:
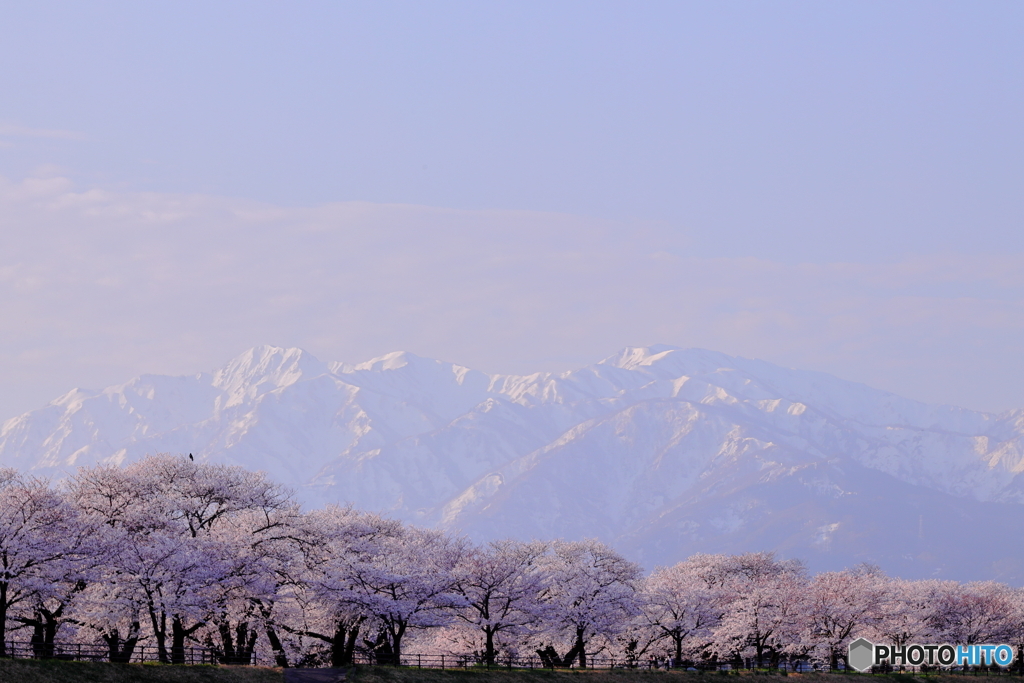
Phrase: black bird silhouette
(191, 458)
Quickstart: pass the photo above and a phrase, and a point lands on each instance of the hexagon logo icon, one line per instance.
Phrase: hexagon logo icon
(861, 655)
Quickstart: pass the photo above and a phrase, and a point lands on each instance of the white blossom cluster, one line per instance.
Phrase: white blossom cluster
(169, 553)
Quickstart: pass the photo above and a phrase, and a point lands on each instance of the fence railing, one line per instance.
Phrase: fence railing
(474, 661)
(96, 652)
(93, 652)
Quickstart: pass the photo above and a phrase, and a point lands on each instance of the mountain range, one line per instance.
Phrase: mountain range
(661, 452)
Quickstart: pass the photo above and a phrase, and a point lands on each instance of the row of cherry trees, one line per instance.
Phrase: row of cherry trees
(170, 552)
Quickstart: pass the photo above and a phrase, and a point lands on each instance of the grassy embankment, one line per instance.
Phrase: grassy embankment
(29, 671)
(56, 671)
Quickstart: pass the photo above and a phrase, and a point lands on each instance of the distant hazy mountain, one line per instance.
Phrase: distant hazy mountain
(660, 451)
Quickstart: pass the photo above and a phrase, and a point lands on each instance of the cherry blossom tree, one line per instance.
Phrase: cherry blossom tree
(51, 607)
(337, 544)
(766, 605)
(179, 576)
(680, 606)
(408, 582)
(112, 608)
(502, 585)
(113, 604)
(592, 592)
(44, 545)
(261, 545)
(187, 537)
(976, 612)
(906, 612)
(842, 604)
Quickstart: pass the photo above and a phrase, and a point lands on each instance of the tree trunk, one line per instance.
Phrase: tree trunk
(227, 643)
(581, 648)
(36, 640)
(51, 623)
(488, 646)
(383, 652)
(396, 644)
(343, 643)
(3, 618)
(122, 652)
(280, 656)
(178, 635)
(45, 624)
(550, 658)
(160, 633)
(245, 640)
(177, 641)
(350, 643)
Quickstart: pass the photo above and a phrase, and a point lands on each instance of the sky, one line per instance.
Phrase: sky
(515, 187)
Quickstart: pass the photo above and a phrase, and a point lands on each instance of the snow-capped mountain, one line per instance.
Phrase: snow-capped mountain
(660, 451)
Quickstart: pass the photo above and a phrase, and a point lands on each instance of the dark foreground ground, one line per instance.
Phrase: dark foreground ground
(29, 671)
(54, 671)
(390, 675)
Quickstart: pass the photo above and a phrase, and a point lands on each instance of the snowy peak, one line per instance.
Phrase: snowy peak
(402, 368)
(442, 390)
(396, 360)
(265, 368)
(72, 398)
(665, 361)
(633, 357)
(755, 380)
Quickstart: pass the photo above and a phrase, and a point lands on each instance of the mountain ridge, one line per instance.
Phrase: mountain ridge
(660, 450)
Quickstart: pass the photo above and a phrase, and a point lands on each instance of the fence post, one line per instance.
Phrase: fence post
(442, 662)
(419, 663)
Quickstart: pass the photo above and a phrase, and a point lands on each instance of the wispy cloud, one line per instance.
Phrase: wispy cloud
(13, 130)
(96, 286)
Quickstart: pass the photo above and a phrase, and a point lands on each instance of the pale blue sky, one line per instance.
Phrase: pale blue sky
(845, 177)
